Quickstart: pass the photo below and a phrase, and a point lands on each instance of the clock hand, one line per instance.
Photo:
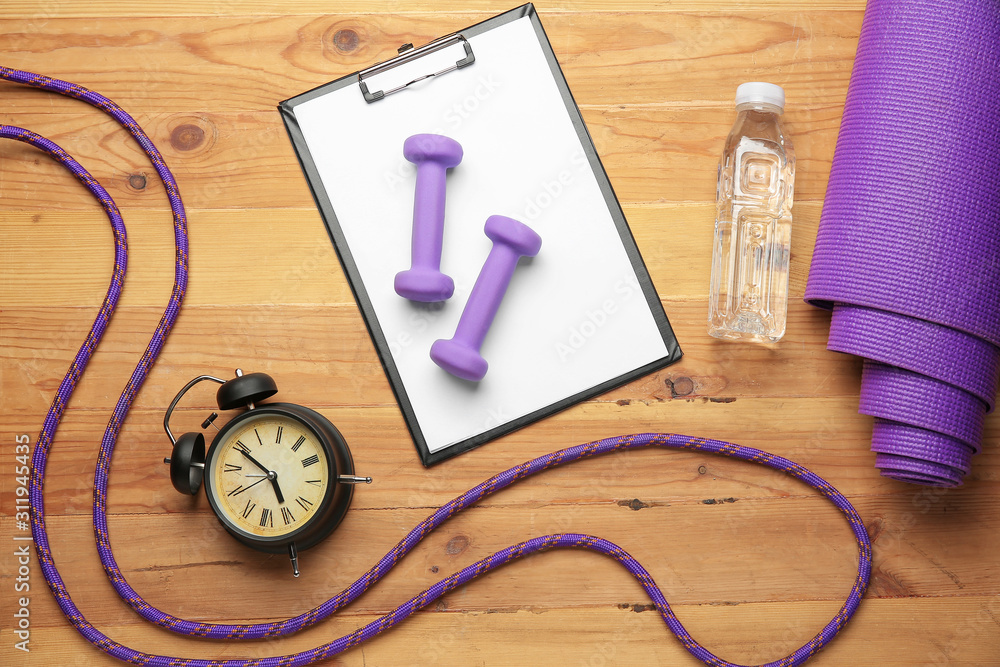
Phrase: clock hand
(271, 475)
(253, 460)
(241, 489)
(274, 484)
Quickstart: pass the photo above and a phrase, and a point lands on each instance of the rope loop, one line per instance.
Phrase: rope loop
(386, 563)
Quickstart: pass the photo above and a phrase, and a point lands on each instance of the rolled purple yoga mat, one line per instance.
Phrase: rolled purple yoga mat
(908, 251)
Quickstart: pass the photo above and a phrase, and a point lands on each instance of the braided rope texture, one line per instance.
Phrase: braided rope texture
(908, 249)
(261, 630)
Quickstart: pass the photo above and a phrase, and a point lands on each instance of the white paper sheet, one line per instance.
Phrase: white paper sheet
(573, 317)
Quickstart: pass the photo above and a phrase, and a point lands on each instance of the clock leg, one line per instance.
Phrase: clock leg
(354, 479)
(294, 555)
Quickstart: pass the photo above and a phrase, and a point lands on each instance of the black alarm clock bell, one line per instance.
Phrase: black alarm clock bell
(278, 476)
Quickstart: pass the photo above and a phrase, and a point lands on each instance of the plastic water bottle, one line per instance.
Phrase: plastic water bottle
(753, 221)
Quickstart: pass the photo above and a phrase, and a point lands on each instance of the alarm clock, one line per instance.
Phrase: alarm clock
(279, 476)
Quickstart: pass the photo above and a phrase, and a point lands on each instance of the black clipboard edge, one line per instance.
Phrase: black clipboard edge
(428, 458)
(350, 268)
(611, 199)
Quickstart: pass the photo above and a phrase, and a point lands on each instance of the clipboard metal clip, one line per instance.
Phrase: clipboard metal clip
(408, 54)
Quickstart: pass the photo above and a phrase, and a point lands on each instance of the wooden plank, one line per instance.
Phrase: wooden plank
(167, 65)
(341, 367)
(826, 435)
(49, 10)
(165, 557)
(749, 633)
(674, 239)
(383, 450)
(244, 160)
(782, 550)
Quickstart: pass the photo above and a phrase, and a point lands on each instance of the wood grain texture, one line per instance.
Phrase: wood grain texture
(51, 9)
(675, 241)
(247, 63)
(753, 562)
(237, 152)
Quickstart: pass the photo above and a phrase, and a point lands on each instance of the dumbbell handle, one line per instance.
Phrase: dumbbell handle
(486, 296)
(460, 355)
(433, 154)
(428, 214)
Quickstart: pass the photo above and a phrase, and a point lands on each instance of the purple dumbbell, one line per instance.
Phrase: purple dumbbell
(434, 155)
(460, 355)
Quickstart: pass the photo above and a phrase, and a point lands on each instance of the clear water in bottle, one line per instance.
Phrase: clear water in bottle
(748, 298)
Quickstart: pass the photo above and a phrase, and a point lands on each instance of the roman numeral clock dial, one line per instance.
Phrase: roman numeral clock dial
(279, 476)
(271, 476)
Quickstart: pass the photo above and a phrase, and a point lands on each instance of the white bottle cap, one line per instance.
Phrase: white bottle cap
(758, 92)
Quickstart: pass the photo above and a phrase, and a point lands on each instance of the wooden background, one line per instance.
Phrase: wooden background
(753, 563)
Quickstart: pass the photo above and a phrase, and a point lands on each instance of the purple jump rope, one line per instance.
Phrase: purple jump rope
(504, 479)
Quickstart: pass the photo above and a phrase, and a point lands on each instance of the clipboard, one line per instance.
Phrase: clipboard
(578, 319)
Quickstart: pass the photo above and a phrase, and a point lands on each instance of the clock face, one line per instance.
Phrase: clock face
(269, 476)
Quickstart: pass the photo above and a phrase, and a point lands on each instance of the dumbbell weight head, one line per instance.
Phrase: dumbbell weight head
(433, 148)
(517, 236)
